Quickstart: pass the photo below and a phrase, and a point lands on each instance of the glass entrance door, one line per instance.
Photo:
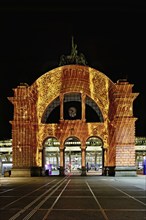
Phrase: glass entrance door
(51, 157)
(72, 156)
(73, 162)
(94, 156)
(94, 162)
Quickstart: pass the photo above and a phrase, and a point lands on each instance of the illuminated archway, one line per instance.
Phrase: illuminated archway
(51, 156)
(72, 156)
(94, 156)
(105, 110)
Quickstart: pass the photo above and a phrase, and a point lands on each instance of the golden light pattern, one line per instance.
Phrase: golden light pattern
(115, 101)
(122, 127)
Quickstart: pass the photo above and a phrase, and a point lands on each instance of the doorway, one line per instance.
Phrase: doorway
(94, 156)
(72, 156)
(51, 157)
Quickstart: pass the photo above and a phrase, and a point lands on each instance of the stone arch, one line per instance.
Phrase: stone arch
(114, 100)
(95, 155)
(51, 156)
(63, 79)
(52, 112)
(95, 109)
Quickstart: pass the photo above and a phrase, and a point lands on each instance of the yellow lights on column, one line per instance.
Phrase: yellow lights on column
(83, 157)
(19, 155)
(61, 106)
(19, 148)
(83, 106)
(62, 157)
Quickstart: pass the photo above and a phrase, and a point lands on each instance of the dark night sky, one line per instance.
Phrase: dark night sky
(34, 35)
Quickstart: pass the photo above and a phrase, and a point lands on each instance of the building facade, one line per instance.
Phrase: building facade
(73, 118)
(6, 162)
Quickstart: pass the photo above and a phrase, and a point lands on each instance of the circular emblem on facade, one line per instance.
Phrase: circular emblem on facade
(72, 111)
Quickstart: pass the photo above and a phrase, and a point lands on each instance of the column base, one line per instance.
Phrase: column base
(83, 171)
(36, 171)
(125, 171)
(20, 172)
(108, 171)
(61, 171)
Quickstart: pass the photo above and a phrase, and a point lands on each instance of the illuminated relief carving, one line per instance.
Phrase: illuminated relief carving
(99, 87)
(49, 87)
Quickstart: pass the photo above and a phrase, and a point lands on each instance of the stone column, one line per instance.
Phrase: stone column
(83, 106)
(124, 123)
(61, 106)
(83, 155)
(62, 162)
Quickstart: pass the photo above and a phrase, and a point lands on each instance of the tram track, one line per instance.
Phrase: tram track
(28, 194)
(74, 197)
(50, 191)
(44, 200)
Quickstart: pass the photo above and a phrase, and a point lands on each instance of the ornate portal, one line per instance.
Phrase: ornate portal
(73, 104)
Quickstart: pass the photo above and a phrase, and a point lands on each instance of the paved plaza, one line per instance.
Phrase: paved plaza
(73, 198)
